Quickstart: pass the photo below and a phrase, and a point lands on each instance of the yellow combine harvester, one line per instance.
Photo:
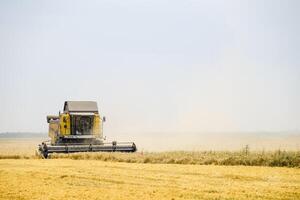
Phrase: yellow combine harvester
(79, 129)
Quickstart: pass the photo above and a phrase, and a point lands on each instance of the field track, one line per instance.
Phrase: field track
(92, 179)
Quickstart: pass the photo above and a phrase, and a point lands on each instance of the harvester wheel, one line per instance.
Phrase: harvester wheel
(43, 149)
(45, 154)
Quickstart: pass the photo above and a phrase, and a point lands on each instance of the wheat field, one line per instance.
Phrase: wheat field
(156, 175)
(92, 179)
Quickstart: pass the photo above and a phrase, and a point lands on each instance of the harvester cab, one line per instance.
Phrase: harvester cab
(79, 128)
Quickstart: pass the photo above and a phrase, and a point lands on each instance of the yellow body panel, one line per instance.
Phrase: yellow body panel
(64, 120)
(97, 126)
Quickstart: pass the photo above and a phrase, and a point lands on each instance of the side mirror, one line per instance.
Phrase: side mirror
(104, 119)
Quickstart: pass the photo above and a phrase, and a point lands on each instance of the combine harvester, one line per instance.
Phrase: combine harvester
(79, 129)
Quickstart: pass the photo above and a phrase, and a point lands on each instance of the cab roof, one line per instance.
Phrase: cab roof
(80, 106)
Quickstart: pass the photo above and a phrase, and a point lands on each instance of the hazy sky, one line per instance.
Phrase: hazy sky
(152, 66)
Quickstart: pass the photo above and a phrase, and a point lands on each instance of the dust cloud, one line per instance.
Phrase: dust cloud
(211, 141)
